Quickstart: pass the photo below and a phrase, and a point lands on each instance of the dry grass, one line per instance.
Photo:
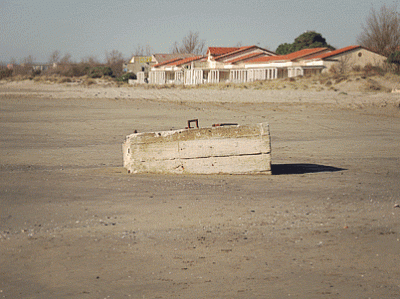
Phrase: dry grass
(89, 82)
(65, 80)
(373, 85)
(366, 80)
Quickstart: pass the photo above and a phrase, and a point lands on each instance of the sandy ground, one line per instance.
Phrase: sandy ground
(74, 224)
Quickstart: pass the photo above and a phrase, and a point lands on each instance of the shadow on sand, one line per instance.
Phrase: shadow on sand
(278, 169)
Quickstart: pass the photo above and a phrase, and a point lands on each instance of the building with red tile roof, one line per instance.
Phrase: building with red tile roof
(350, 57)
(142, 64)
(175, 70)
(302, 54)
(242, 51)
(250, 63)
(316, 60)
(288, 65)
(336, 52)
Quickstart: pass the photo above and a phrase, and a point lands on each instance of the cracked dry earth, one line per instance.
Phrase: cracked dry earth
(74, 224)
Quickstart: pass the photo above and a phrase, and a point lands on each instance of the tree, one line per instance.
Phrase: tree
(344, 64)
(143, 50)
(191, 44)
(91, 60)
(307, 40)
(28, 60)
(55, 57)
(284, 48)
(381, 32)
(66, 59)
(394, 58)
(115, 61)
(113, 57)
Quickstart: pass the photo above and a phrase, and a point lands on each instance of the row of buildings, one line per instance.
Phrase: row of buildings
(246, 64)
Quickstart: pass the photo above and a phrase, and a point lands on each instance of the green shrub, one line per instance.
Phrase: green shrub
(394, 58)
(79, 70)
(5, 73)
(126, 77)
(36, 72)
(100, 71)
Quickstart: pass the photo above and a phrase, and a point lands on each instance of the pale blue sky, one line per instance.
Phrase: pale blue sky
(85, 28)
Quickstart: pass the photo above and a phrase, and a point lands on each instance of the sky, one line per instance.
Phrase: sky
(90, 28)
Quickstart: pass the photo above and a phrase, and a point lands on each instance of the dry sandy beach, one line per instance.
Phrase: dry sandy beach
(74, 224)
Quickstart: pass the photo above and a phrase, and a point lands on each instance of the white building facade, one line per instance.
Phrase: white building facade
(249, 64)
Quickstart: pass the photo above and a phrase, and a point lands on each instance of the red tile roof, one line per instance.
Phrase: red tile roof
(247, 57)
(336, 52)
(290, 57)
(216, 51)
(241, 49)
(266, 58)
(178, 61)
(159, 58)
(185, 60)
(305, 52)
(167, 62)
